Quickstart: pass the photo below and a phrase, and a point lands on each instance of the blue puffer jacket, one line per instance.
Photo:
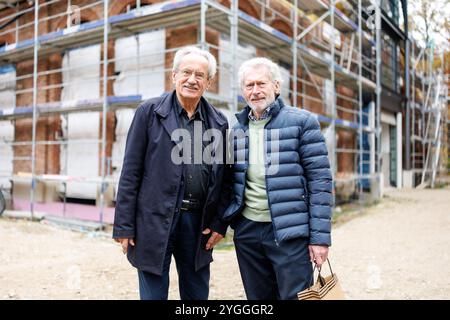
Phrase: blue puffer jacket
(300, 189)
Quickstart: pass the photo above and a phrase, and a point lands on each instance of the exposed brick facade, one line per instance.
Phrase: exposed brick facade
(48, 128)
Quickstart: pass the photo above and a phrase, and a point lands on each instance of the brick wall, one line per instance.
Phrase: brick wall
(346, 138)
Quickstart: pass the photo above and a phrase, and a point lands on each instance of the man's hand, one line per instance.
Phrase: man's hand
(125, 242)
(213, 240)
(318, 254)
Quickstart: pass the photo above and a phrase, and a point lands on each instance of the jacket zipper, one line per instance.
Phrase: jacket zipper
(267, 192)
(265, 179)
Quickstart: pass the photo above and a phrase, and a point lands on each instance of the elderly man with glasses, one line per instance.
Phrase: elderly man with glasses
(167, 207)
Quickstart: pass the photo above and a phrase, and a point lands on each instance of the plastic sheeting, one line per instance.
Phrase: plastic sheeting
(140, 62)
(285, 85)
(327, 94)
(7, 100)
(123, 122)
(244, 52)
(328, 31)
(81, 77)
(328, 133)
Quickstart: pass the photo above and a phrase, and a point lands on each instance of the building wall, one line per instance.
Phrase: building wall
(49, 128)
(346, 138)
(8, 100)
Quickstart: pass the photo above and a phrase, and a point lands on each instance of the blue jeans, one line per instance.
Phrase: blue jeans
(270, 271)
(193, 285)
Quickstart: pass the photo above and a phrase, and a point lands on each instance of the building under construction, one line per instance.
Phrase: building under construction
(73, 72)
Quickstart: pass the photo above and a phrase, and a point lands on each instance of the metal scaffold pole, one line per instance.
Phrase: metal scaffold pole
(360, 102)
(34, 120)
(333, 101)
(138, 63)
(378, 93)
(423, 105)
(413, 115)
(203, 8)
(105, 106)
(234, 44)
(294, 55)
(408, 103)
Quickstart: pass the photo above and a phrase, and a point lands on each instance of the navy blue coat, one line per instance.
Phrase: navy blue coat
(150, 183)
(300, 190)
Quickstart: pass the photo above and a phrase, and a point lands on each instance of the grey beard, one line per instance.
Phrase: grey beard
(262, 110)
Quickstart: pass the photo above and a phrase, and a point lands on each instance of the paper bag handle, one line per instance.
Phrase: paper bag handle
(319, 277)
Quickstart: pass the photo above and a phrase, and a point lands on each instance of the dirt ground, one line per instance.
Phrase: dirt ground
(397, 249)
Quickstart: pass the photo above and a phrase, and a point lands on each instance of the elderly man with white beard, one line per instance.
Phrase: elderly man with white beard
(282, 189)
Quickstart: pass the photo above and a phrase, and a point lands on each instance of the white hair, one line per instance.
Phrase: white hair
(180, 54)
(273, 68)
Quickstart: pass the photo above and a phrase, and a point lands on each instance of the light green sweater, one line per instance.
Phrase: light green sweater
(256, 203)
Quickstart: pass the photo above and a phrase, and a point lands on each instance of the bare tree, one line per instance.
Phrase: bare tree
(429, 20)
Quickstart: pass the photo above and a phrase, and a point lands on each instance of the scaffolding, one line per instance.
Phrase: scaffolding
(333, 55)
(428, 107)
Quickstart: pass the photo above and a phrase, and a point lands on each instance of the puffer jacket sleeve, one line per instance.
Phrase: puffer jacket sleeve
(316, 165)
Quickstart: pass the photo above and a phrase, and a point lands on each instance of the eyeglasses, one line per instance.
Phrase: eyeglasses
(187, 73)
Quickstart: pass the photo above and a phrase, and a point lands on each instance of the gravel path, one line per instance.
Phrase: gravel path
(397, 249)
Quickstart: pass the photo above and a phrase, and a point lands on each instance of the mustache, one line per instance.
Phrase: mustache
(257, 98)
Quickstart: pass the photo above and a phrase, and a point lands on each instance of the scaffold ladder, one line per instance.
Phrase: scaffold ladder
(433, 131)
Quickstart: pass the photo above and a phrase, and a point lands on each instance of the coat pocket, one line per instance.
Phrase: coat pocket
(305, 190)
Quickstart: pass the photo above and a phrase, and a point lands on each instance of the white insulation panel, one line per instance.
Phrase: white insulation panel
(81, 77)
(285, 78)
(140, 64)
(123, 122)
(225, 62)
(244, 52)
(7, 101)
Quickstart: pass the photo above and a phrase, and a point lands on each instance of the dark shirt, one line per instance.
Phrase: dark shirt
(195, 171)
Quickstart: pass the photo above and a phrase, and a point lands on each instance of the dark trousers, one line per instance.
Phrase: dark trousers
(270, 271)
(182, 245)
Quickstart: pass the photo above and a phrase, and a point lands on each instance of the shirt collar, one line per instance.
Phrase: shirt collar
(266, 114)
(198, 111)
